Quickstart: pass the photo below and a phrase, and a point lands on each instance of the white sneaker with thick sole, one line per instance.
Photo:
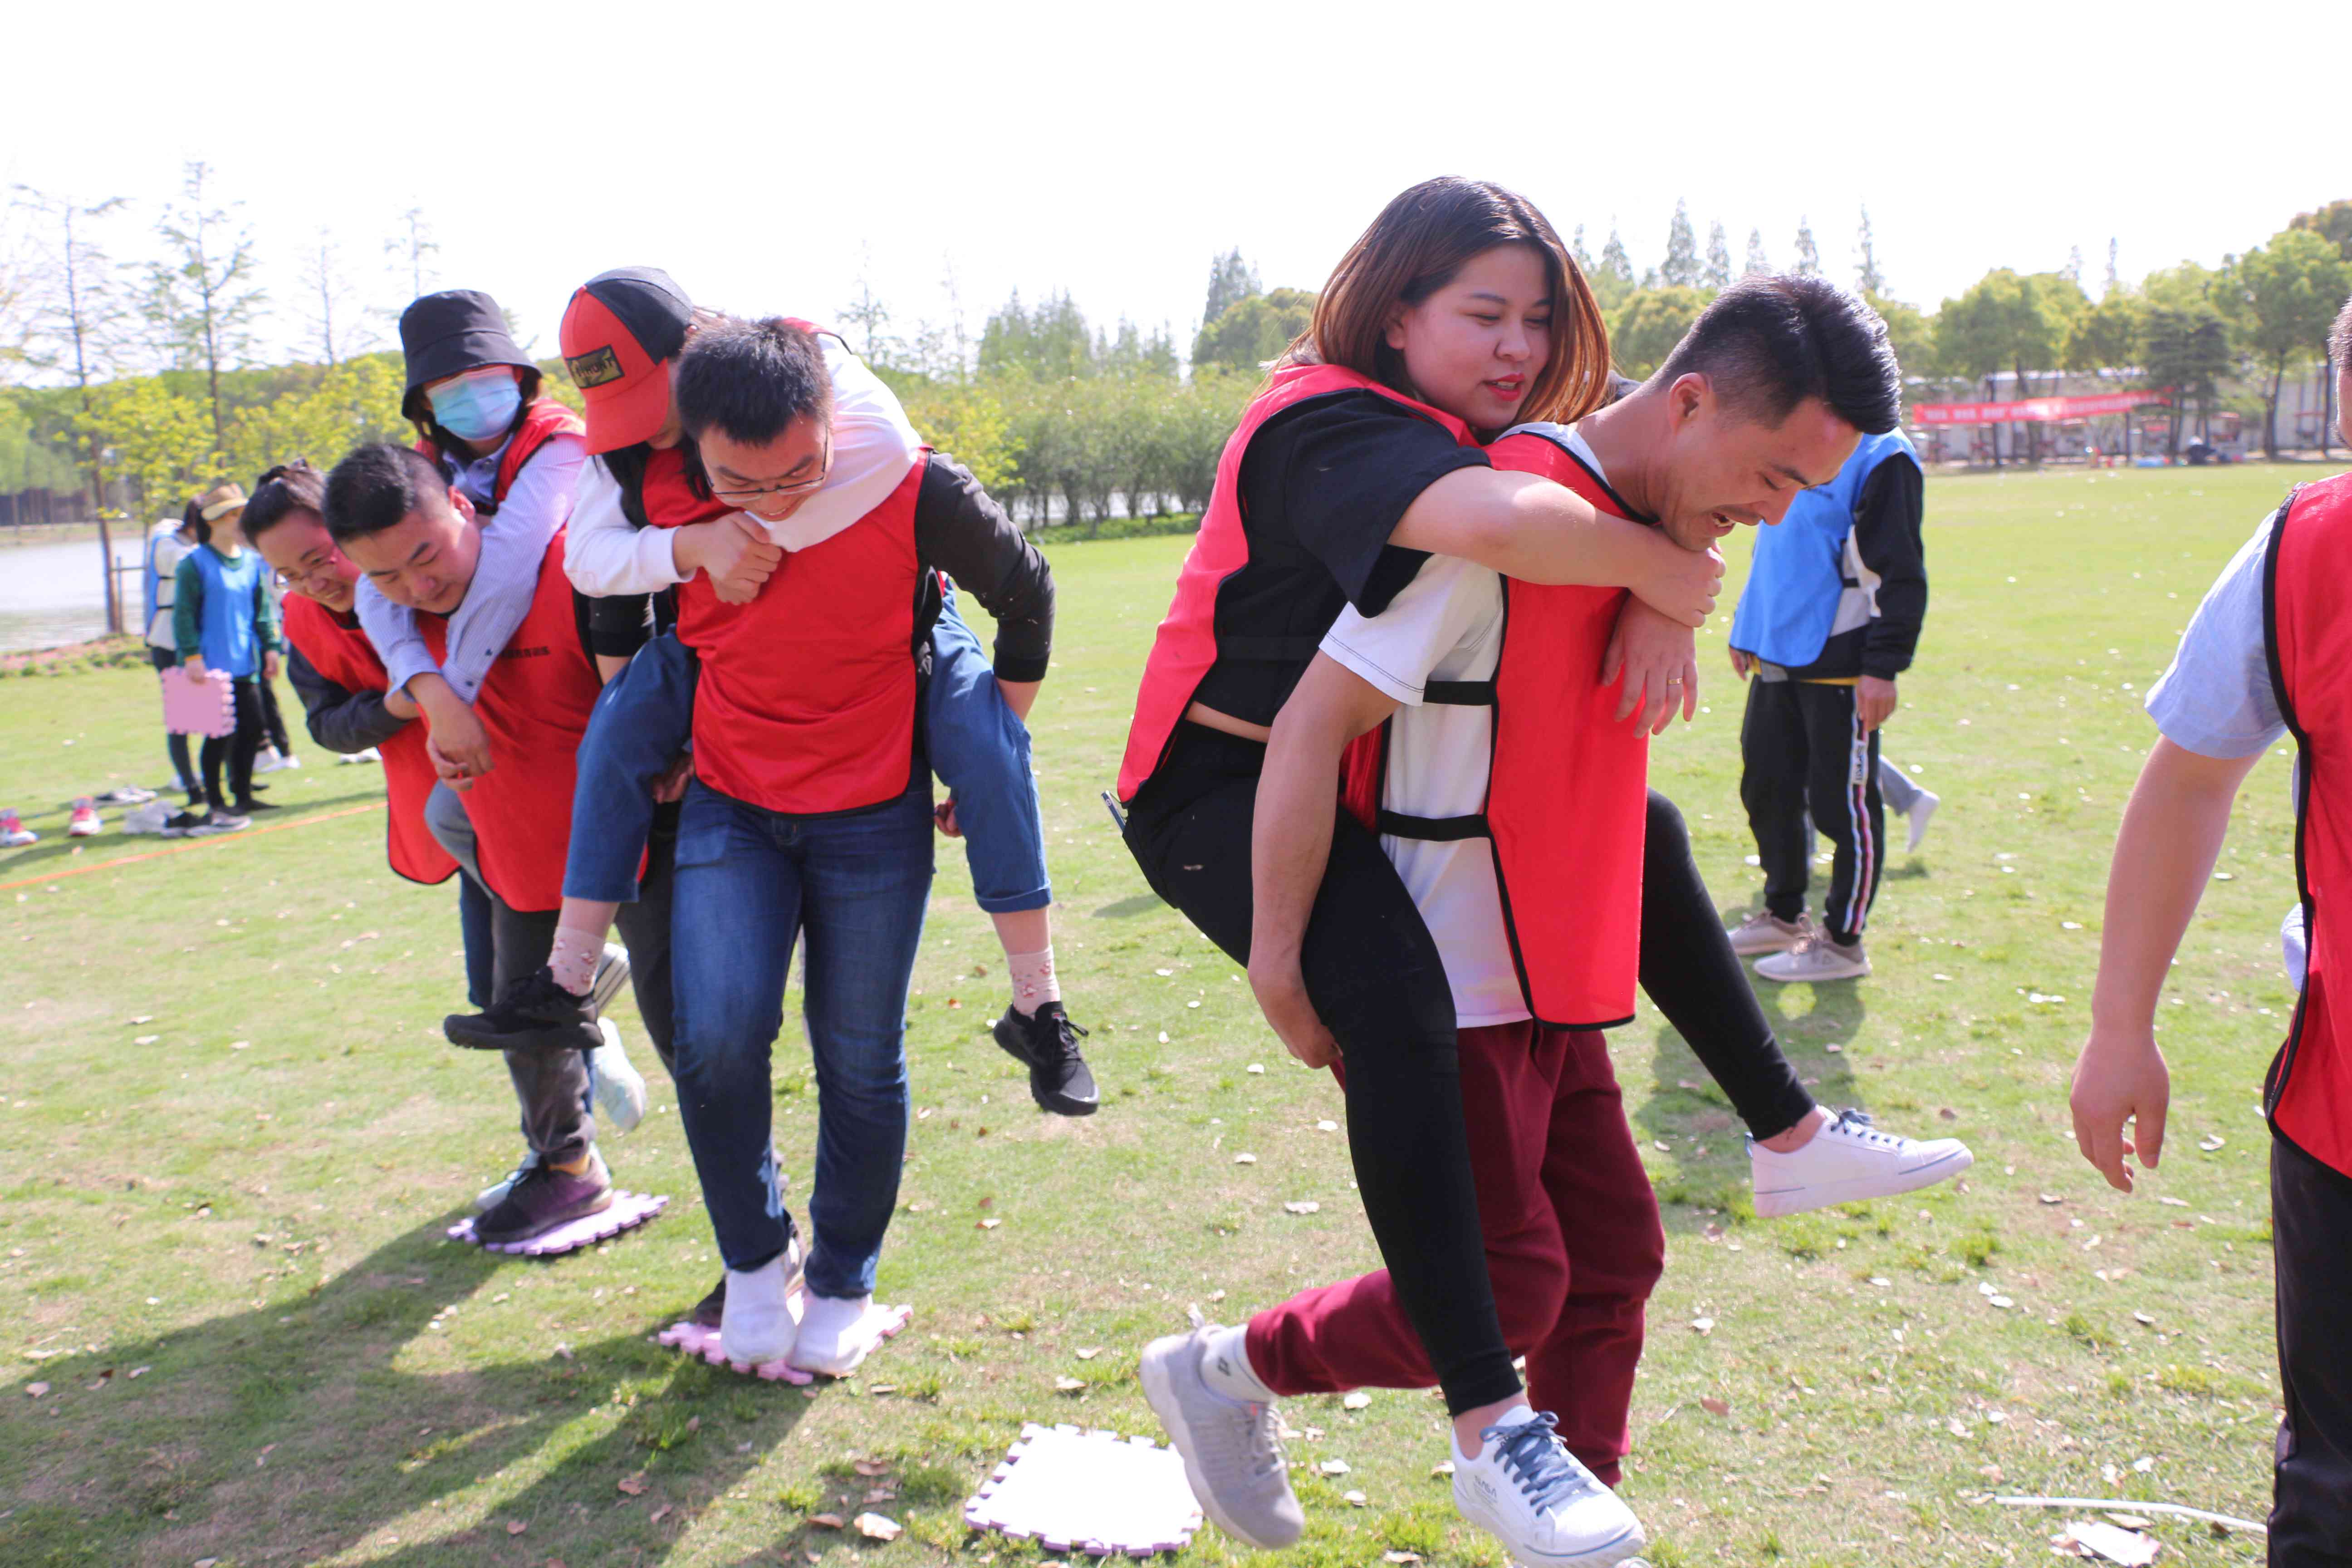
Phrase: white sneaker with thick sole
(1529, 1492)
(494, 1194)
(756, 1326)
(1765, 932)
(369, 754)
(1847, 1162)
(618, 1086)
(1231, 1458)
(611, 974)
(1816, 958)
(1922, 808)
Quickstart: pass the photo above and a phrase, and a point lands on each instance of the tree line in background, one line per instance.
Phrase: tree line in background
(151, 393)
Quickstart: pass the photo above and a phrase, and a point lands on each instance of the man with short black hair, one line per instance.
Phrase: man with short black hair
(398, 518)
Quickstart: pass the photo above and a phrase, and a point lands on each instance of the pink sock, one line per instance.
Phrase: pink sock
(574, 958)
(1034, 984)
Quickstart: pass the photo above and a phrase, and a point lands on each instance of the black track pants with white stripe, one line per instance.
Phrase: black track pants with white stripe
(1806, 764)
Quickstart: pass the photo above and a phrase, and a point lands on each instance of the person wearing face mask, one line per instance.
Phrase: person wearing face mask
(515, 453)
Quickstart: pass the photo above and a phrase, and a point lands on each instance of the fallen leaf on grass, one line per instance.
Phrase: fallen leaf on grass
(2142, 1318)
(1244, 1159)
(141, 1371)
(1354, 1500)
(879, 1527)
(2211, 1142)
(633, 1484)
(1327, 1127)
(870, 1468)
(144, 1018)
(37, 1389)
(1442, 1467)
(1948, 1113)
(2053, 1197)
(1715, 1406)
(1702, 1326)
(655, 1517)
(2174, 1202)
(828, 1521)
(517, 1526)
(1308, 1206)
(1090, 1353)
(990, 1224)
(1257, 1067)
(1067, 1384)
(1333, 1466)
(2132, 1522)
(1357, 1401)
(1400, 1556)
(146, 1039)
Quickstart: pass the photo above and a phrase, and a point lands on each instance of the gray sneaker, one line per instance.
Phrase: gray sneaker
(1765, 932)
(494, 1194)
(1816, 959)
(544, 1198)
(1230, 1455)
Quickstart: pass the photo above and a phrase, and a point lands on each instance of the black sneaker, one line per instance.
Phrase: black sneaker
(180, 824)
(713, 1307)
(544, 1198)
(537, 1015)
(1047, 1044)
(248, 806)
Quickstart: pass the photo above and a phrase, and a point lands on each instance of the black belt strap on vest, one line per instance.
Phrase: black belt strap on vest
(1459, 693)
(1433, 829)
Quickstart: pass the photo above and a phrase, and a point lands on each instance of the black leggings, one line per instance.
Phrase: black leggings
(273, 727)
(238, 748)
(1374, 975)
(1694, 978)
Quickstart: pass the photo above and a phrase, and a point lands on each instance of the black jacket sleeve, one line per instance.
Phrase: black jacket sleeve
(1886, 535)
(340, 719)
(960, 530)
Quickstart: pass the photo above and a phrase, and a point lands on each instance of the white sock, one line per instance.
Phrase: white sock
(1225, 1366)
(1517, 1414)
(1034, 981)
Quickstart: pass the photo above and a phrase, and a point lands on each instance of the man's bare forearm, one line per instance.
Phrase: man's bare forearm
(1297, 797)
(2172, 832)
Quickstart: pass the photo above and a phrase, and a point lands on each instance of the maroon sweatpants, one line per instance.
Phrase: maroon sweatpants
(1573, 1246)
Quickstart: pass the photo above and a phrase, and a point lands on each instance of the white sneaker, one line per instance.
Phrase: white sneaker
(267, 759)
(1765, 932)
(1847, 1162)
(618, 1086)
(1922, 808)
(370, 755)
(13, 834)
(85, 822)
(831, 1343)
(494, 1194)
(1816, 958)
(756, 1326)
(1530, 1493)
(611, 974)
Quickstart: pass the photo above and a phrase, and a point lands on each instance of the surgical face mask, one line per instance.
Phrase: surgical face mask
(478, 406)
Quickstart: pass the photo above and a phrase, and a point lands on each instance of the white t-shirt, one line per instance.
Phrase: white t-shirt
(1446, 624)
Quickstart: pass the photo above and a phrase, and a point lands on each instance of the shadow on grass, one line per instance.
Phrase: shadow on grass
(1140, 904)
(294, 1432)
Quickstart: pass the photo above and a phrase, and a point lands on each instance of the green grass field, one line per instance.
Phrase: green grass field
(231, 1139)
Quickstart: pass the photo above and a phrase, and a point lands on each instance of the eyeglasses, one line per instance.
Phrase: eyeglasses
(746, 496)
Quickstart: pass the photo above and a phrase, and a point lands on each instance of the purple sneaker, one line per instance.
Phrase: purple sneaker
(544, 1198)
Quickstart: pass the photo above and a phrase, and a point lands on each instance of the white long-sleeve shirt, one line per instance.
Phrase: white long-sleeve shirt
(506, 577)
(874, 446)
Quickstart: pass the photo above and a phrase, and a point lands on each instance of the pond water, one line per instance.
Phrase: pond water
(52, 594)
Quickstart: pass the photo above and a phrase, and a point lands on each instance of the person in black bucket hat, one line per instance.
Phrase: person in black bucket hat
(446, 337)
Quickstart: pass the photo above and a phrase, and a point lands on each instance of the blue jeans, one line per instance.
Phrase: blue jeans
(642, 720)
(981, 751)
(749, 882)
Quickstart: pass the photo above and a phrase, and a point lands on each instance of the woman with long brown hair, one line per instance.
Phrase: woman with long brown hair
(1458, 314)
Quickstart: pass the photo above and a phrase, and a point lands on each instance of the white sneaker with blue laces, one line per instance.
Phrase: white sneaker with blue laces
(1529, 1492)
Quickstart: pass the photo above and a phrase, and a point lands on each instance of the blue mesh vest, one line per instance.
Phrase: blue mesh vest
(1790, 601)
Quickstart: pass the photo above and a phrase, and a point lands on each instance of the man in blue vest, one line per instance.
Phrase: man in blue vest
(1829, 618)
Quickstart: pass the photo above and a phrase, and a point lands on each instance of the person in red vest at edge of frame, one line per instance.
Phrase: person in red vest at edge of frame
(474, 397)
(1361, 454)
(351, 708)
(413, 533)
(2268, 654)
(808, 819)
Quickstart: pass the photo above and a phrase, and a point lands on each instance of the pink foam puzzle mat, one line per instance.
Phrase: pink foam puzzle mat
(1096, 1492)
(626, 1212)
(192, 707)
(879, 1324)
